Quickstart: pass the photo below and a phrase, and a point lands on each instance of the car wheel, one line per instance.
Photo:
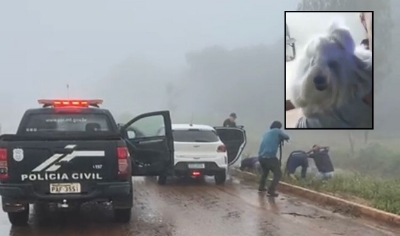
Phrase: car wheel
(19, 218)
(220, 178)
(162, 180)
(123, 215)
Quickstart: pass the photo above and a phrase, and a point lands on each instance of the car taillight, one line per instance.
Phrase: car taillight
(124, 170)
(221, 148)
(3, 164)
(196, 173)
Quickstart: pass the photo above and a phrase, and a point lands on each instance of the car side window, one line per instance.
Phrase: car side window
(147, 127)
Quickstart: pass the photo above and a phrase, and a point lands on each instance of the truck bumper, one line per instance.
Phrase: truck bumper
(27, 193)
(210, 168)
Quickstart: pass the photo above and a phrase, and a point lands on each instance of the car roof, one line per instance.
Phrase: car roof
(191, 126)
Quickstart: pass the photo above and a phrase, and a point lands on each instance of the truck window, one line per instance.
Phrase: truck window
(67, 123)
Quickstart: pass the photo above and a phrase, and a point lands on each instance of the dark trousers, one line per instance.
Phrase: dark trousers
(270, 164)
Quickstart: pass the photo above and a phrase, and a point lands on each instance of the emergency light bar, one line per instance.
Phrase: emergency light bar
(70, 103)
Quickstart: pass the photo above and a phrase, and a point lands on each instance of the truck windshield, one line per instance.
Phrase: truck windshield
(67, 123)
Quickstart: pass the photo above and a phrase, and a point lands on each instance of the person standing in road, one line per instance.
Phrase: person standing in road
(230, 121)
(322, 161)
(268, 158)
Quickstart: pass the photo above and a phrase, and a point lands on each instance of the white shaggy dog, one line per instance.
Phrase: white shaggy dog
(331, 78)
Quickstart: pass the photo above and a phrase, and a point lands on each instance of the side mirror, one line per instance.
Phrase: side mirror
(131, 134)
(290, 48)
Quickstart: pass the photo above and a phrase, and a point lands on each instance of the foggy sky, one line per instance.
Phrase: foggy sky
(217, 56)
(46, 44)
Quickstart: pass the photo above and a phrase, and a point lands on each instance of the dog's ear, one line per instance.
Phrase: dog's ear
(339, 32)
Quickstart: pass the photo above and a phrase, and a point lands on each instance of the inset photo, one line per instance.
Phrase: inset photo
(329, 70)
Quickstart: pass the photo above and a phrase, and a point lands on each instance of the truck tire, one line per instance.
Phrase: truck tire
(123, 215)
(162, 179)
(220, 178)
(19, 218)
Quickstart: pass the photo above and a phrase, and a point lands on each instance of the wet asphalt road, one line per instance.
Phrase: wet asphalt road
(198, 208)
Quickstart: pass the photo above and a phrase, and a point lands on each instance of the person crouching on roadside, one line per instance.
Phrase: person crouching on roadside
(296, 159)
(322, 161)
(268, 158)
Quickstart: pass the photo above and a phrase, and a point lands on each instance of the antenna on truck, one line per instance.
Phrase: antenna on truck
(191, 120)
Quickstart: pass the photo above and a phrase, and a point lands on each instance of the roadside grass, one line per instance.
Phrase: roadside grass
(380, 193)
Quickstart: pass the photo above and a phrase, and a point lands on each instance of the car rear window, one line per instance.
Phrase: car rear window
(67, 123)
(195, 135)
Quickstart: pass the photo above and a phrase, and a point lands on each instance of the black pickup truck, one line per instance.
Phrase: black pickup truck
(70, 152)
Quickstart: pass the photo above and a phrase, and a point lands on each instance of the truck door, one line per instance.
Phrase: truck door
(235, 141)
(152, 151)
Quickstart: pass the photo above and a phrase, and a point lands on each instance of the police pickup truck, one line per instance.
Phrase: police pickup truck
(71, 151)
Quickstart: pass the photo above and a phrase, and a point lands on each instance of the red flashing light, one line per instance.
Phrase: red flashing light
(70, 103)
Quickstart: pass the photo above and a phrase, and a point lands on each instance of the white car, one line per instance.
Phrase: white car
(205, 150)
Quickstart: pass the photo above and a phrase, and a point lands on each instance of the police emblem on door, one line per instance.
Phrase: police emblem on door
(18, 154)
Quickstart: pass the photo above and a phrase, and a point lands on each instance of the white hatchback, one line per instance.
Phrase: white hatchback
(205, 150)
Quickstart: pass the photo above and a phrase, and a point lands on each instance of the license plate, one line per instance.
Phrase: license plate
(65, 188)
(196, 166)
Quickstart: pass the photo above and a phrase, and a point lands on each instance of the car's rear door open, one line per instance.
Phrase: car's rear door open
(235, 141)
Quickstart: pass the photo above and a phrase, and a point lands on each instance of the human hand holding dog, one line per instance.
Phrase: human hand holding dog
(366, 21)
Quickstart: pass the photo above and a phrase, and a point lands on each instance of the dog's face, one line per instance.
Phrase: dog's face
(331, 72)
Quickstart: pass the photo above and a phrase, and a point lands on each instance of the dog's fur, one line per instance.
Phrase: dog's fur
(346, 68)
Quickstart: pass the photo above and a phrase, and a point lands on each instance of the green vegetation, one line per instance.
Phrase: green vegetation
(380, 193)
(369, 176)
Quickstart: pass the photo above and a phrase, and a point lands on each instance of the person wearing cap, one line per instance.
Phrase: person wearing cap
(230, 121)
(268, 158)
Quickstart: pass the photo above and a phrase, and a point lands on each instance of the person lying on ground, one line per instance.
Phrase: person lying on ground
(322, 161)
(297, 159)
(268, 158)
(249, 164)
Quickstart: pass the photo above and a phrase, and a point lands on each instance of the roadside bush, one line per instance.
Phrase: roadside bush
(375, 160)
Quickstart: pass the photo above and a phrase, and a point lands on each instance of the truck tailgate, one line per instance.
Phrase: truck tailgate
(62, 161)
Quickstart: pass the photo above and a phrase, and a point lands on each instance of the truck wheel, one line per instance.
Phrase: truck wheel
(122, 215)
(19, 218)
(220, 178)
(162, 179)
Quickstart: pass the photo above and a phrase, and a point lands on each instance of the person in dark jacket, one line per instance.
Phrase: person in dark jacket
(322, 161)
(297, 159)
(230, 121)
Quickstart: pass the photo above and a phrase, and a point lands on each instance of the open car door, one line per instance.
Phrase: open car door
(152, 151)
(235, 141)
